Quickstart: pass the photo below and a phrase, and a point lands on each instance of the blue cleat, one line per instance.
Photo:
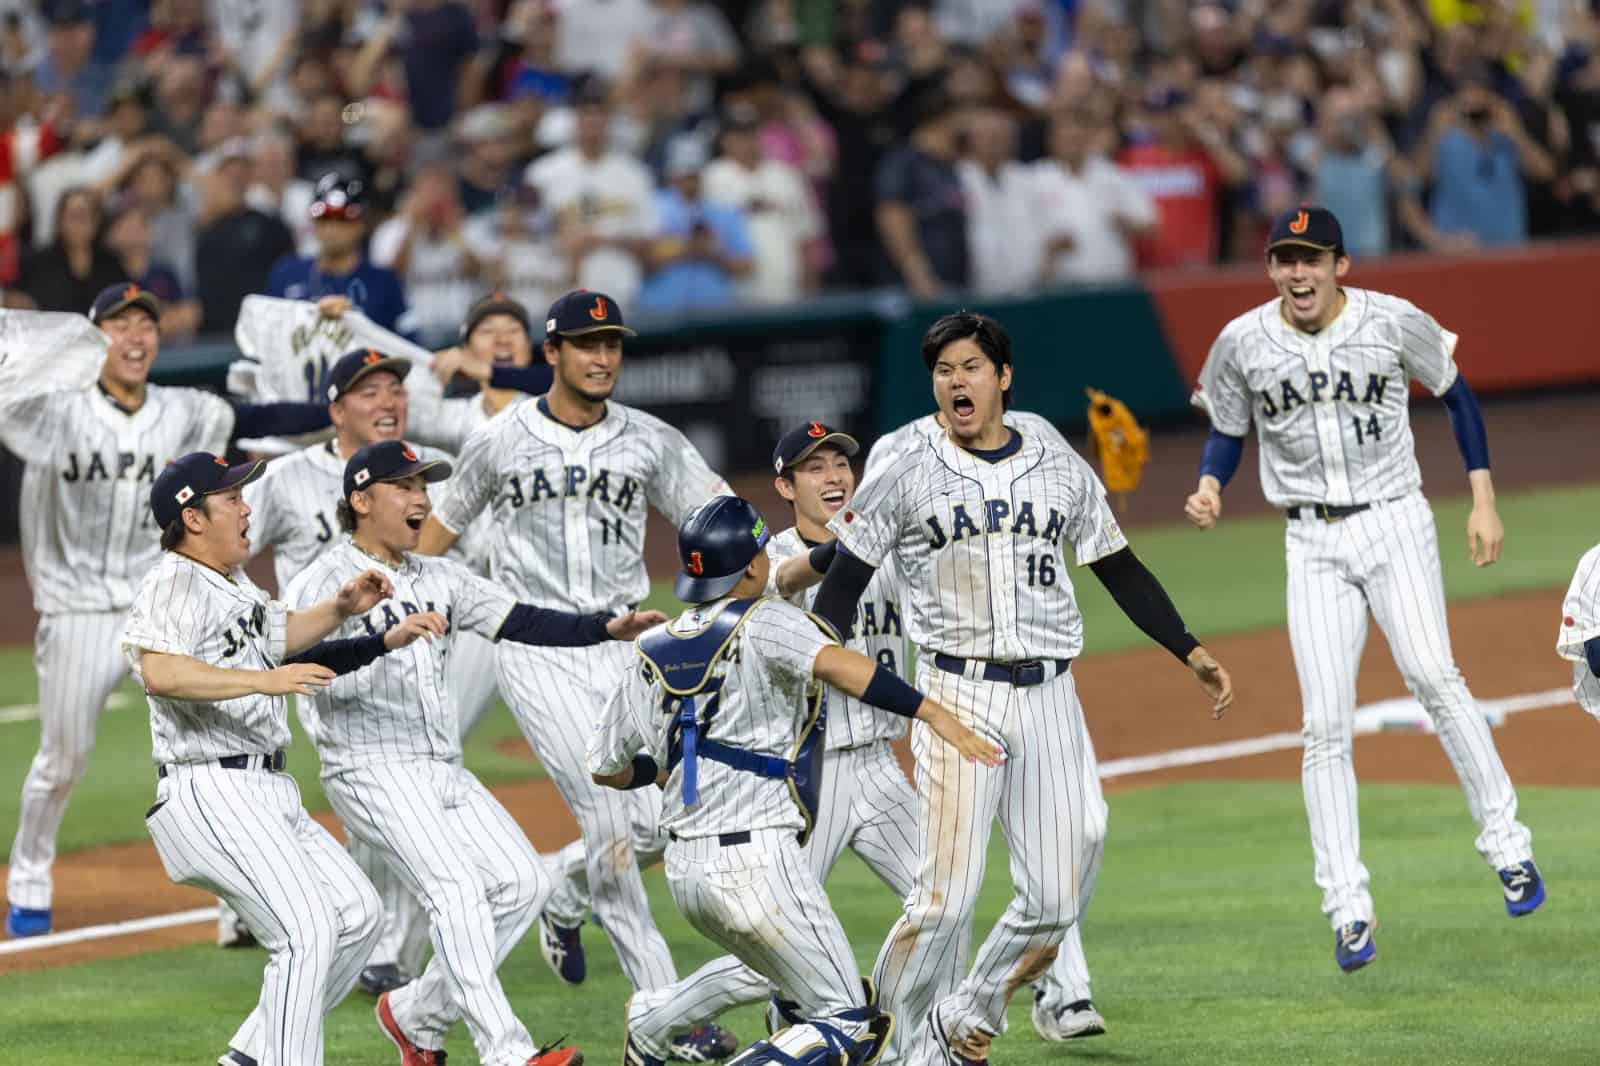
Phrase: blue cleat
(705, 1043)
(1354, 946)
(562, 948)
(27, 921)
(1524, 888)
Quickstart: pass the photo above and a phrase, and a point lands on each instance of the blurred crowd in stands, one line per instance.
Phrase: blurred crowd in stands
(686, 155)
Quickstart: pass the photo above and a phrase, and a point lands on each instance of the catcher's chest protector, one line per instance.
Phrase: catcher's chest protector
(685, 668)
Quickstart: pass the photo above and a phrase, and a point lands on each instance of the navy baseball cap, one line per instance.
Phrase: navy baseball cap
(1313, 227)
(389, 460)
(192, 476)
(495, 303)
(112, 300)
(801, 441)
(715, 543)
(581, 311)
(353, 366)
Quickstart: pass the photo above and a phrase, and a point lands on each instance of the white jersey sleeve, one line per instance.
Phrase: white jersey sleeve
(869, 525)
(1580, 623)
(1223, 393)
(1091, 527)
(627, 726)
(210, 419)
(1427, 349)
(786, 639)
(31, 426)
(481, 605)
(685, 480)
(472, 483)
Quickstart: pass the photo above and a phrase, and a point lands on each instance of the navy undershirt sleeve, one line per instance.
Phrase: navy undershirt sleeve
(529, 379)
(1591, 651)
(1467, 420)
(841, 591)
(342, 656)
(251, 420)
(1220, 456)
(527, 624)
(1144, 601)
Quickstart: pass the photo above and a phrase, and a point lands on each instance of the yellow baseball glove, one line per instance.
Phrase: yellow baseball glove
(1118, 440)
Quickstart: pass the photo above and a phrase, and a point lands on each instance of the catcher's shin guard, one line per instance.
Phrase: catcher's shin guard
(821, 1041)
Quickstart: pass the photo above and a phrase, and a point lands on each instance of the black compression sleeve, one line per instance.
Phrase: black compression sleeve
(251, 420)
(821, 557)
(342, 656)
(841, 590)
(1591, 652)
(1143, 600)
(527, 624)
(888, 691)
(530, 379)
(645, 772)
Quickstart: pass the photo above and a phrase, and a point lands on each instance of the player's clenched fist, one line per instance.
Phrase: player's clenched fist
(362, 593)
(630, 625)
(297, 679)
(1204, 505)
(422, 626)
(1214, 679)
(972, 747)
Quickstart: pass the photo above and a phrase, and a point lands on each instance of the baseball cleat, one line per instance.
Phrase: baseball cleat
(562, 948)
(1354, 945)
(555, 1055)
(974, 1051)
(410, 1054)
(1523, 887)
(382, 979)
(634, 1055)
(235, 1057)
(27, 921)
(1076, 1020)
(705, 1043)
(232, 932)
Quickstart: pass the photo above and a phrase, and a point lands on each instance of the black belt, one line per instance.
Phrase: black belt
(1022, 674)
(1332, 512)
(726, 840)
(275, 761)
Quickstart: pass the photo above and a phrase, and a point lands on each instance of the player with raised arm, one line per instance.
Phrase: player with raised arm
(978, 520)
(217, 657)
(1324, 371)
(568, 477)
(726, 712)
(90, 456)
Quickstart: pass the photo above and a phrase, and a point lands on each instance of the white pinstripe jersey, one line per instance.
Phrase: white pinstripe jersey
(879, 635)
(1580, 623)
(765, 700)
(186, 608)
(927, 428)
(294, 507)
(569, 504)
(84, 510)
(1332, 407)
(400, 706)
(982, 545)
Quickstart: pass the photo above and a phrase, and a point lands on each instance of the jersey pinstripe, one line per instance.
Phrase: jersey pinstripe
(185, 608)
(1332, 407)
(399, 707)
(84, 510)
(927, 427)
(569, 504)
(764, 701)
(1580, 623)
(982, 545)
(879, 635)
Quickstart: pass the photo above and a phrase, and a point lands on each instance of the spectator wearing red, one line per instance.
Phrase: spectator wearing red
(1183, 166)
(20, 149)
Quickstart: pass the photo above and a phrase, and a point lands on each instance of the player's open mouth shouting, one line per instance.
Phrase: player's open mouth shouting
(417, 515)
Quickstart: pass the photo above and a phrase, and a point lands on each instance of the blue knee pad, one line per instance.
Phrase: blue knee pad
(820, 1041)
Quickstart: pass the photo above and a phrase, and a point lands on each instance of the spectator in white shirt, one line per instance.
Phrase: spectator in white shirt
(603, 201)
(516, 243)
(278, 192)
(777, 205)
(424, 244)
(1002, 236)
(1087, 208)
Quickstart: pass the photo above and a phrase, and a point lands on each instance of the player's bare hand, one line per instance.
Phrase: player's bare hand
(972, 747)
(423, 626)
(630, 625)
(1214, 679)
(333, 306)
(362, 593)
(1203, 507)
(1485, 534)
(297, 679)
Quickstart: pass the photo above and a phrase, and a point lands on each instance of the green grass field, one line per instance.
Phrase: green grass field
(1204, 938)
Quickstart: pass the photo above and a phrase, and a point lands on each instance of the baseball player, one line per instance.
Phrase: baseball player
(978, 521)
(90, 457)
(1324, 372)
(568, 476)
(1579, 638)
(389, 743)
(216, 657)
(725, 711)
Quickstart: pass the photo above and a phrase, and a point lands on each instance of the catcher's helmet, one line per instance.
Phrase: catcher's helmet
(715, 543)
(339, 196)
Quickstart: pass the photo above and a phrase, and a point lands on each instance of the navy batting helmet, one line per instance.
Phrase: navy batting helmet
(715, 543)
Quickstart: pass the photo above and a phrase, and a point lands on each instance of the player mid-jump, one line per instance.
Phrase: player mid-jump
(1323, 371)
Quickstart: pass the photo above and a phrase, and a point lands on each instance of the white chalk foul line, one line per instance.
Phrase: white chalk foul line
(1402, 714)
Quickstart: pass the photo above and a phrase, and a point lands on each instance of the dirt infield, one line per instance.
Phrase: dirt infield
(1137, 703)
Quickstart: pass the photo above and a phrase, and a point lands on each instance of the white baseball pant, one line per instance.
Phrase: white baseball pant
(244, 835)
